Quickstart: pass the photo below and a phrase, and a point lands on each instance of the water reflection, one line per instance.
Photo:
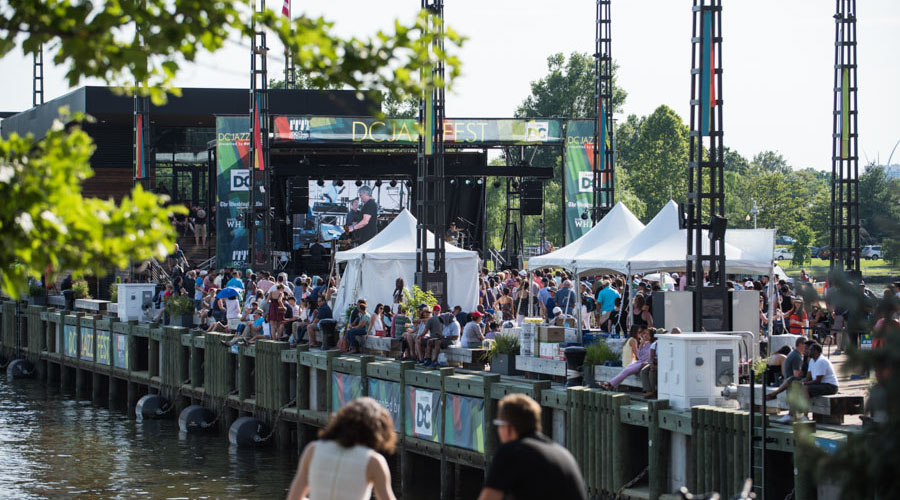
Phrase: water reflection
(53, 446)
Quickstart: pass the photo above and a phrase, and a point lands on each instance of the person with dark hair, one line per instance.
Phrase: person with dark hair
(346, 463)
(528, 464)
(791, 368)
(366, 227)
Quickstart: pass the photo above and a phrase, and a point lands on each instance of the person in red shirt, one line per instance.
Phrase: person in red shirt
(798, 321)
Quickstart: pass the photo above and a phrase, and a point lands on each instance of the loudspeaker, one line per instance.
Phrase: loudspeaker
(717, 225)
(682, 216)
(297, 196)
(532, 198)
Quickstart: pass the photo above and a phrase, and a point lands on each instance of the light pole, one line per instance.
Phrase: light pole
(754, 211)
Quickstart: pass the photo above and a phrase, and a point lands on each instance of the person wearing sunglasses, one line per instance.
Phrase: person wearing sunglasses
(528, 464)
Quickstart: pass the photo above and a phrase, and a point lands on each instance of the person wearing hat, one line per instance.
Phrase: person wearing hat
(473, 333)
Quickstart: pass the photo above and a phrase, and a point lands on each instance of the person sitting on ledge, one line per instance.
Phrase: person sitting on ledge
(449, 337)
(643, 358)
(251, 331)
(820, 379)
(792, 369)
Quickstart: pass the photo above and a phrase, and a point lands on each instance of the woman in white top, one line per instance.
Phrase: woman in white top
(376, 325)
(346, 462)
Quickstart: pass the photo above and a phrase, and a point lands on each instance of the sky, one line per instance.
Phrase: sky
(778, 61)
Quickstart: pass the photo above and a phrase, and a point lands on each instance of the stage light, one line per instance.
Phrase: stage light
(320, 182)
(584, 215)
(452, 181)
(480, 181)
(496, 183)
(408, 184)
(393, 183)
(339, 182)
(468, 182)
(378, 183)
(358, 183)
(515, 185)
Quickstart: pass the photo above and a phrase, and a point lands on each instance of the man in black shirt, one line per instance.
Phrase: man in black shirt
(528, 464)
(367, 226)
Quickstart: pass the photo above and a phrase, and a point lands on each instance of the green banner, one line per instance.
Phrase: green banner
(344, 388)
(103, 347)
(579, 177)
(70, 339)
(387, 394)
(458, 132)
(464, 422)
(232, 190)
(423, 413)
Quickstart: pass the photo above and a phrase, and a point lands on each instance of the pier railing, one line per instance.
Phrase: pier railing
(442, 417)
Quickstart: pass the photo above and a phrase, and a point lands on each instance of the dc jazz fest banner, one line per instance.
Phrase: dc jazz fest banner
(464, 422)
(121, 356)
(404, 131)
(232, 190)
(87, 344)
(344, 388)
(387, 394)
(579, 177)
(423, 414)
(103, 355)
(70, 337)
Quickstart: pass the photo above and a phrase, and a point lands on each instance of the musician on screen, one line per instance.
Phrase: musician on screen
(367, 225)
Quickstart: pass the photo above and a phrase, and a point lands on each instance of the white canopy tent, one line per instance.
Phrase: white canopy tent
(373, 268)
(745, 252)
(612, 232)
(616, 260)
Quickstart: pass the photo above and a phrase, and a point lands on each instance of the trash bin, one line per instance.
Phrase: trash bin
(329, 333)
(574, 365)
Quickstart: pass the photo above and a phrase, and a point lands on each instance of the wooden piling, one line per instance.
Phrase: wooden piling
(659, 449)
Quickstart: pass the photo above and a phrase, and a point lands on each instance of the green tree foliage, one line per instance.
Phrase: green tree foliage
(803, 236)
(568, 89)
(47, 225)
(44, 220)
(657, 161)
(148, 41)
(877, 201)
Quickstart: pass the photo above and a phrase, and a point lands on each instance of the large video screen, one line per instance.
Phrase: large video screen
(336, 205)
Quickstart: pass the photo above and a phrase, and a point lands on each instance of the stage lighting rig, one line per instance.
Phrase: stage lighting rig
(496, 183)
(393, 183)
(358, 183)
(339, 182)
(378, 183)
(321, 181)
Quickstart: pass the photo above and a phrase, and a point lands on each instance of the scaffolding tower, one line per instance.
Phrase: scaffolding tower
(37, 77)
(429, 194)
(258, 227)
(604, 167)
(705, 208)
(845, 252)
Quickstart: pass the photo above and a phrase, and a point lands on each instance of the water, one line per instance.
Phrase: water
(53, 446)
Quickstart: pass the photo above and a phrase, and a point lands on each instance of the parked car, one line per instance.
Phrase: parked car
(814, 252)
(825, 252)
(872, 252)
(783, 254)
(784, 240)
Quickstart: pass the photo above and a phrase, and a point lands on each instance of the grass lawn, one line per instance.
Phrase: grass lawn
(819, 268)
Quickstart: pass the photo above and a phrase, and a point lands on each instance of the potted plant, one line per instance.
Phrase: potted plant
(595, 354)
(502, 354)
(36, 294)
(180, 310)
(80, 289)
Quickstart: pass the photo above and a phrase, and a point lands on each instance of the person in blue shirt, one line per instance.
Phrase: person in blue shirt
(606, 301)
(322, 312)
(565, 298)
(235, 281)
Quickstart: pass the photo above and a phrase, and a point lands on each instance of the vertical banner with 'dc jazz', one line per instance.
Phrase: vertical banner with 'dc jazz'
(232, 190)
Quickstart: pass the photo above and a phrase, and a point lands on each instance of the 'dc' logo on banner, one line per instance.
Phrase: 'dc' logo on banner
(585, 182)
(240, 179)
(423, 413)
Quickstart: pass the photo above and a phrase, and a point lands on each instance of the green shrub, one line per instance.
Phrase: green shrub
(599, 353)
(81, 290)
(114, 292)
(35, 289)
(759, 369)
(412, 301)
(179, 305)
(502, 344)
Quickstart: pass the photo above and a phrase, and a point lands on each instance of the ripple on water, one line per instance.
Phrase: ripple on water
(54, 446)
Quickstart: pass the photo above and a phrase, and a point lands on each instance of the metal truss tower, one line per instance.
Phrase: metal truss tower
(258, 227)
(845, 251)
(37, 77)
(604, 158)
(429, 193)
(705, 207)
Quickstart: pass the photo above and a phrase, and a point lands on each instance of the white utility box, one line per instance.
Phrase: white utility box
(673, 309)
(695, 367)
(132, 297)
(745, 311)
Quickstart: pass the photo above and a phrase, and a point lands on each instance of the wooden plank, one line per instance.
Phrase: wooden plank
(621, 449)
(465, 384)
(537, 365)
(676, 421)
(554, 398)
(635, 414)
(658, 450)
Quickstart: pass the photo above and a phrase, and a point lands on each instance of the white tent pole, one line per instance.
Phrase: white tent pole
(530, 298)
(578, 305)
(771, 292)
(628, 307)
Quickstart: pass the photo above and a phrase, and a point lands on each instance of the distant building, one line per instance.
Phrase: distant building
(892, 171)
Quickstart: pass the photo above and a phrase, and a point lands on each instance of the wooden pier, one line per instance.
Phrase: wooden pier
(443, 417)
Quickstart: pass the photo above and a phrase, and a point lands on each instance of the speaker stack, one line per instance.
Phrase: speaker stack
(532, 197)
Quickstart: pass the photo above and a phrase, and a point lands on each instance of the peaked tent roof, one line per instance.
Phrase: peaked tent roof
(745, 252)
(397, 241)
(616, 259)
(613, 231)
